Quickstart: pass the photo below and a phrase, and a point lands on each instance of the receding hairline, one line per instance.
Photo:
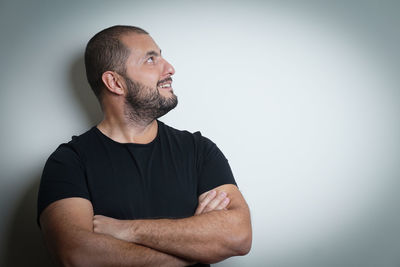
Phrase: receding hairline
(151, 52)
(122, 37)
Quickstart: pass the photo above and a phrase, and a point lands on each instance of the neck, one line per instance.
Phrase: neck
(123, 130)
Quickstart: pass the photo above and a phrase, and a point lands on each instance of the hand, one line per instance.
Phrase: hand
(119, 229)
(212, 200)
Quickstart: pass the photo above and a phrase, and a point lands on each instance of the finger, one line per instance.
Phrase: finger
(206, 199)
(203, 196)
(95, 225)
(98, 217)
(98, 222)
(202, 204)
(224, 203)
(215, 202)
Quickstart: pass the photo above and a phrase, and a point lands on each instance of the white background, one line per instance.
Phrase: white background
(302, 97)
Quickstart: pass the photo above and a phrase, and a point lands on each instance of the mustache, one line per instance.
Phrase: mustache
(169, 79)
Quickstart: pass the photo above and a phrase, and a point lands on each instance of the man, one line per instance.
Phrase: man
(133, 191)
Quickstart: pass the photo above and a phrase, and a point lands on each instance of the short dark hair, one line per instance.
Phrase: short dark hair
(105, 52)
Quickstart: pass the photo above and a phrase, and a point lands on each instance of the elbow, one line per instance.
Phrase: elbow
(67, 261)
(240, 237)
(73, 262)
(245, 245)
(72, 258)
(241, 242)
(234, 244)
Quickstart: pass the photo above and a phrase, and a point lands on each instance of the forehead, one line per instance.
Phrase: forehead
(139, 44)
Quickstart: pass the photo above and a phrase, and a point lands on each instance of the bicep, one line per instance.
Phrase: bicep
(63, 223)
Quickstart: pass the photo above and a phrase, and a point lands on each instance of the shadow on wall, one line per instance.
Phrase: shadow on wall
(24, 243)
(82, 92)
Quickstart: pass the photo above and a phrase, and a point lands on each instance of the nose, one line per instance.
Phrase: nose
(168, 68)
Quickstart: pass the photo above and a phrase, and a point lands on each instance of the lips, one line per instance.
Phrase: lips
(165, 84)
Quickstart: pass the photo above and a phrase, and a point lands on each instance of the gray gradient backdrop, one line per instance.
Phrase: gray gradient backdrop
(301, 96)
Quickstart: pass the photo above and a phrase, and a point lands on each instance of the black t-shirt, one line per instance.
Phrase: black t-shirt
(161, 179)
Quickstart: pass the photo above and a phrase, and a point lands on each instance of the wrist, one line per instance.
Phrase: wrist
(133, 231)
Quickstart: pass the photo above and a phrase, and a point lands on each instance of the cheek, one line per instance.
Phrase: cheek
(150, 79)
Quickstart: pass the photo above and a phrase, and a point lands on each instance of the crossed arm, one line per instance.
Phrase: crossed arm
(68, 232)
(217, 231)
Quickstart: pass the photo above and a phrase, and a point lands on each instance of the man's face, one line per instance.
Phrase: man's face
(148, 78)
(144, 104)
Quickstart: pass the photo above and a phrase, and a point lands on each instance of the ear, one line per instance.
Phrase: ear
(113, 82)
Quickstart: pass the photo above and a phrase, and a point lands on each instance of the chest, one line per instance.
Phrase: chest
(139, 183)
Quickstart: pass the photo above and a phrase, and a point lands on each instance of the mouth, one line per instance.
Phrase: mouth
(165, 84)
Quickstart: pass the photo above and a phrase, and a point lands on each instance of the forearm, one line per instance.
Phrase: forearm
(209, 237)
(92, 249)
(215, 233)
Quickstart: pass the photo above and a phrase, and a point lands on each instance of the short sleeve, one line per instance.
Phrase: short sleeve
(63, 177)
(214, 169)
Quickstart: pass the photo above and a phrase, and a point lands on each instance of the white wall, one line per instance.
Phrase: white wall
(302, 97)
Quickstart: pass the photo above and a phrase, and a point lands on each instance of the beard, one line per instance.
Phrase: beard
(144, 104)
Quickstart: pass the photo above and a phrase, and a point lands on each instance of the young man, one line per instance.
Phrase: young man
(133, 191)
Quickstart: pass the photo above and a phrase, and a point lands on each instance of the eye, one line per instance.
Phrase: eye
(150, 60)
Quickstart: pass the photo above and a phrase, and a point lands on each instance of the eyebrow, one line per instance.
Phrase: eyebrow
(153, 53)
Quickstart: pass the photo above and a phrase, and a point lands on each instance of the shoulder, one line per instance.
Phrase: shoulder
(196, 137)
(203, 146)
(176, 135)
(75, 148)
(174, 131)
(85, 139)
